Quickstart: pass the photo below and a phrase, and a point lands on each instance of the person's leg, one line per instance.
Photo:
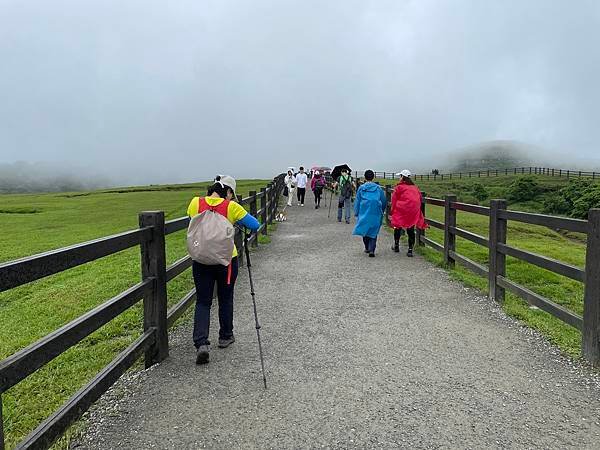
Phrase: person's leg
(347, 204)
(397, 234)
(372, 244)
(411, 237)
(225, 288)
(340, 207)
(366, 243)
(303, 194)
(204, 279)
(290, 195)
(411, 240)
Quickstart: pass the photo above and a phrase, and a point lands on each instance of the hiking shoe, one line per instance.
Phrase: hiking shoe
(347, 221)
(371, 255)
(366, 251)
(396, 248)
(409, 253)
(224, 343)
(202, 354)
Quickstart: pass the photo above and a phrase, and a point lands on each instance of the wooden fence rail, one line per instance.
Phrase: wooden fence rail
(152, 290)
(495, 271)
(552, 172)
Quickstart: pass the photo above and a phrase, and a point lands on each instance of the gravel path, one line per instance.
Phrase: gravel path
(360, 352)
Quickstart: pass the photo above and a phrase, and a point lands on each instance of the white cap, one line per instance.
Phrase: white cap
(405, 173)
(317, 172)
(229, 182)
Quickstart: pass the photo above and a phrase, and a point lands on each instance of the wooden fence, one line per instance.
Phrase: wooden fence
(494, 173)
(153, 342)
(498, 250)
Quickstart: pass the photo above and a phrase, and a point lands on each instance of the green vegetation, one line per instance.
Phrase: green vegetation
(30, 312)
(534, 193)
(529, 193)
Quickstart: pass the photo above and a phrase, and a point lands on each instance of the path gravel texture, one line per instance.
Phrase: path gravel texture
(383, 352)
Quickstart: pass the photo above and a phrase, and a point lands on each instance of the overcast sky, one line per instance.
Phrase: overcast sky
(153, 91)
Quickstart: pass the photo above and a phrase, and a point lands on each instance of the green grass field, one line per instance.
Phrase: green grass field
(36, 223)
(565, 247)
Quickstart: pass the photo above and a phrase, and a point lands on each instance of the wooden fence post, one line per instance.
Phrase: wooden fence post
(253, 210)
(497, 261)
(419, 231)
(591, 300)
(270, 198)
(449, 237)
(153, 261)
(264, 214)
(1, 426)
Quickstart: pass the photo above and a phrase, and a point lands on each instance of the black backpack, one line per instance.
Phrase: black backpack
(346, 189)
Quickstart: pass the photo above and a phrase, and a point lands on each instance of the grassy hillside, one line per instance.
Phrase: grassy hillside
(35, 223)
(566, 247)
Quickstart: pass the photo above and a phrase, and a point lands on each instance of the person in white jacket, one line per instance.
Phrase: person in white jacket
(290, 182)
(301, 182)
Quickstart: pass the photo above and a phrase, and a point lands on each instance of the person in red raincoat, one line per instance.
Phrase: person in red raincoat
(405, 211)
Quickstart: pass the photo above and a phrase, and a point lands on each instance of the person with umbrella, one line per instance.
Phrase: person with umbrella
(369, 210)
(343, 187)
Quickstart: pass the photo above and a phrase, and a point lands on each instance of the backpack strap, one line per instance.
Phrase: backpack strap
(221, 208)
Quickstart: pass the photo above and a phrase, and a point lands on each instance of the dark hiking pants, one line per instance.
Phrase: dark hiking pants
(411, 236)
(301, 194)
(205, 277)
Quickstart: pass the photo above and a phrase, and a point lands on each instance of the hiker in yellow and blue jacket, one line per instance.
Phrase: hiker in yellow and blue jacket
(219, 198)
(369, 209)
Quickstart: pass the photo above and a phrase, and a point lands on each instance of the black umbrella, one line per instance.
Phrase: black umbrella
(337, 170)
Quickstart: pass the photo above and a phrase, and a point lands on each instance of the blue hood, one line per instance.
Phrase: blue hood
(369, 186)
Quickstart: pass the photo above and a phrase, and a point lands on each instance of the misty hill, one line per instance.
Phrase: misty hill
(494, 155)
(23, 177)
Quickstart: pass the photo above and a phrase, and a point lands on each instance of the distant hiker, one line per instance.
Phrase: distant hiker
(301, 182)
(369, 209)
(344, 188)
(210, 243)
(405, 211)
(317, 185)
(290, 186)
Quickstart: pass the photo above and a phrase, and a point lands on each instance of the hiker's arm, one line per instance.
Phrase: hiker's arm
(192, 209)
(238, 215)
(250, 222)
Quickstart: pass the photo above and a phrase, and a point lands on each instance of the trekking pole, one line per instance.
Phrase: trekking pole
(252, 293)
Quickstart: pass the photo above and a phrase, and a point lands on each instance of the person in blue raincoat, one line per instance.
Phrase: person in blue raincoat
(369, 210)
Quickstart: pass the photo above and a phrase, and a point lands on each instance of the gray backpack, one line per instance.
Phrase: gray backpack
(210, 235)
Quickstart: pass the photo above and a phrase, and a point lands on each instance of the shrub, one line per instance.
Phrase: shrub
(575, 199)
(590, 199)
(523, 189)
(479, 191)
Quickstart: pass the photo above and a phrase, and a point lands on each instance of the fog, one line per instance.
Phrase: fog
(155, 92)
